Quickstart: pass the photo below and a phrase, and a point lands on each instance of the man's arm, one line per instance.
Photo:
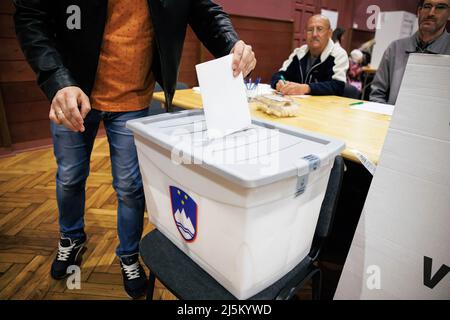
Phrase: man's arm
(327, 88)
(34, 32)
(35, 35)
(290, 70)
(381, 84)
(214, 29)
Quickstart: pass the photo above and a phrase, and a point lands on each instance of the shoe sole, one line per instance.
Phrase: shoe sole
(137, 297)
(144, 294)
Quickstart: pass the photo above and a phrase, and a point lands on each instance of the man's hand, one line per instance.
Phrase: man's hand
(243, 59)
(64, 108)
(292, 88)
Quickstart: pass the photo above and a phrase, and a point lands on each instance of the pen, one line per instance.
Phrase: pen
(258, 80)
(356, 103)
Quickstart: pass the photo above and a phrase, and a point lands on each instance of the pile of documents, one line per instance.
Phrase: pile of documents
(279, 106)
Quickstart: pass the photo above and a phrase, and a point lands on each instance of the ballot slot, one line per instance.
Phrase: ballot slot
(265, 143)
(250, 145)
(197, 127)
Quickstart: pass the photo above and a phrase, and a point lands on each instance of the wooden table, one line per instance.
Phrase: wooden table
(369, 69)
(327, 115)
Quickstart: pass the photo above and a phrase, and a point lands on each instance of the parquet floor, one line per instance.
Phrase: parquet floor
(29, 230)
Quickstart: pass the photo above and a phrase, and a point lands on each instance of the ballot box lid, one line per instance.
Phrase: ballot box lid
(262, 154)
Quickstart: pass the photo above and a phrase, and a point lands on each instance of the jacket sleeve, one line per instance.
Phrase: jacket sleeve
(381, 83)
(277, 77)
(213, 27)
(289, 70)
(336, 85)
(327, 88)
(35, 35)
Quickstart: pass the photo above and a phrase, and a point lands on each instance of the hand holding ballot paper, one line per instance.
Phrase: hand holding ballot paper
(224, 98)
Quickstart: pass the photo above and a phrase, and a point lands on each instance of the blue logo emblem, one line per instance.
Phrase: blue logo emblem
(184, 211)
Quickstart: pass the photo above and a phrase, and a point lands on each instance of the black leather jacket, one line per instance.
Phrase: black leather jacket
(62, 57)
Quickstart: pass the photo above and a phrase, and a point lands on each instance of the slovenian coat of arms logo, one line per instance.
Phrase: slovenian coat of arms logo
(184, 210)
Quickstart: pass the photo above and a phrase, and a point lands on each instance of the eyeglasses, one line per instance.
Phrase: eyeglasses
(319, 30)
(440, 7)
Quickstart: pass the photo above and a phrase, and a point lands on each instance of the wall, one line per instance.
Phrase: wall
(272, 9)
(361, 33)
(270, 50)
(345, 8)
(361, 15)
(302, 10)
(350, 12)
(298, 11)
(24, 105)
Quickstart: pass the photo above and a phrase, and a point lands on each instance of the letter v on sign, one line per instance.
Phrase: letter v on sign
(429, 280)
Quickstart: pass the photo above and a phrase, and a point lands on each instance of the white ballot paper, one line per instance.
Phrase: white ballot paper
(375, 107)
(224, 98)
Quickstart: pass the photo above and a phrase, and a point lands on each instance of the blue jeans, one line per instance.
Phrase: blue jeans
(73, 151)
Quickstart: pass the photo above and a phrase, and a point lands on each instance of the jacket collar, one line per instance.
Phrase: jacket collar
(326, 53)
(437, 46)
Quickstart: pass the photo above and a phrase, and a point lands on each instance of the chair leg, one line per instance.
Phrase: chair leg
(151, 286)
(317, 285)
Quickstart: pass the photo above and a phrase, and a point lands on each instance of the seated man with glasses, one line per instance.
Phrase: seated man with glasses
(431, 38)
(317, 68)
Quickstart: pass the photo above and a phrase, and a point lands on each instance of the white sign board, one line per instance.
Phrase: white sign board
(401, 248)
(333, 16)
(392, 25)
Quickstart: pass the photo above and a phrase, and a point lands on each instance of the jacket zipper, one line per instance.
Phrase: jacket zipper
(315, 66)
(301, 71)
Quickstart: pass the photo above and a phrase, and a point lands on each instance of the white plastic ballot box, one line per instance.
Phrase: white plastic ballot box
(243, 207)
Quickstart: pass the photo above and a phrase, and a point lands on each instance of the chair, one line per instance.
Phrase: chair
(156, 107)
(187, 281)
(367, 79)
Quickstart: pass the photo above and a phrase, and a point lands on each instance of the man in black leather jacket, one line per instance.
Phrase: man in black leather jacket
(98, 60)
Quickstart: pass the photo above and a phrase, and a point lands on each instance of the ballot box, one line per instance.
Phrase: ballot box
(244, 207)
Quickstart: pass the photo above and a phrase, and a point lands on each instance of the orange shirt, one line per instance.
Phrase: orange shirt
(124, 81)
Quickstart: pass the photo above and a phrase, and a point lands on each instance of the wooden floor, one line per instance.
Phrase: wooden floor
(29, 230)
